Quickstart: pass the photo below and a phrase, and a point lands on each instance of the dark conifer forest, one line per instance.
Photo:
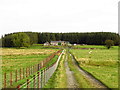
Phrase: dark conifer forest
(29, 38)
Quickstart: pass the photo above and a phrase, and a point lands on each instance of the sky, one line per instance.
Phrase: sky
(58, 16)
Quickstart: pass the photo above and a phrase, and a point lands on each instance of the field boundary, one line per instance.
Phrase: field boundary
(41, 78)
(13, 77)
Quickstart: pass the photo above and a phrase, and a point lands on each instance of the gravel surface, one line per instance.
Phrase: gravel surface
(71, 82)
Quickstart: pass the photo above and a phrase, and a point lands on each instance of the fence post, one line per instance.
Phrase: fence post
(32, 69)
(10, 78)
(38, 79)
(16, 75)
(44, 76)
(38, 67)
(4, 80)
(23, 73)
(41, 78)
(41, 64)
(27, 83)
(18, 87)
(20, 73)
(26, 72)
(34, 80)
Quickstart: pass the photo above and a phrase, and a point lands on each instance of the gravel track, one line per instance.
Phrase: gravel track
(71, 82)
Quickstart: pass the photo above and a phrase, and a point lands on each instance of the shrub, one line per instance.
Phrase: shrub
(109, 43)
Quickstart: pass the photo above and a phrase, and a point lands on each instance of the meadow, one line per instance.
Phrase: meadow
(92, 47)
(22, 57)
(15, 59)
(101, 63)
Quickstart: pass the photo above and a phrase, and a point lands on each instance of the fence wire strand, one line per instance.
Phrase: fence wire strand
(39, 81)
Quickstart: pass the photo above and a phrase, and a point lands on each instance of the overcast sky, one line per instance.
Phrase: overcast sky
(58, 16)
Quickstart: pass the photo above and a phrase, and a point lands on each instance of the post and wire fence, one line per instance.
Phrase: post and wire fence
(39, 76)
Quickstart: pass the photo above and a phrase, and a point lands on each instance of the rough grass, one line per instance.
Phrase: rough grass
(13, 51)
(94, 46)
(59, 78)
(13, 59)
(22, 57)
(102, 63)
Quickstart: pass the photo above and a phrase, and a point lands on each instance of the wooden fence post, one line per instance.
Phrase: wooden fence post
(41, 64)
(4, 80)
(38, 67)
(32, 69)
(23, 73)
(27, 83)
(38, 79)
(41, 78)
(44, 76)
(26, 72)
(34, 81)
(18, 87)
(10, 78)
(16, 75)
(20, 73)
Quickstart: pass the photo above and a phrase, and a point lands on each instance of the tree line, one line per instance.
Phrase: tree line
(25, 39)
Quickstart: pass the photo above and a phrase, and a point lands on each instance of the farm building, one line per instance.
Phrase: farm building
(59, 42)
(55, 43)
(46, 44)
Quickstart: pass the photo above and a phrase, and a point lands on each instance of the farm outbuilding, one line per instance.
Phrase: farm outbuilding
(46, 44)
(55, 43)
(59, 43)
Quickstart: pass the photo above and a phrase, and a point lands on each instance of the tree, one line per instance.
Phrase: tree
(20, 40)
(33, 37)
(109, 43)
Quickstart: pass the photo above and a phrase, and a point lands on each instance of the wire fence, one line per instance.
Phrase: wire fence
(19, 74)
(41, 78)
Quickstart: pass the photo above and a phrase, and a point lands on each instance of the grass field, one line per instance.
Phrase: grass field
(93, 46)
(22, 57)
(102, 63)
(14, 59)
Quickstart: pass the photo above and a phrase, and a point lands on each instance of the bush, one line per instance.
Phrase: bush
(109, 43)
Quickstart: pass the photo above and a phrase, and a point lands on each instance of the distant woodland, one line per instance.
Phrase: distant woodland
(26, 39)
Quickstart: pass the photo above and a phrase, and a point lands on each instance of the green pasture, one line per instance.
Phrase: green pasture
(101, 63)
(14, 59)
(94, 46)
(14, 62)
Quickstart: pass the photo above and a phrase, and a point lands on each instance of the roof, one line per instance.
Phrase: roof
(58, 41)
